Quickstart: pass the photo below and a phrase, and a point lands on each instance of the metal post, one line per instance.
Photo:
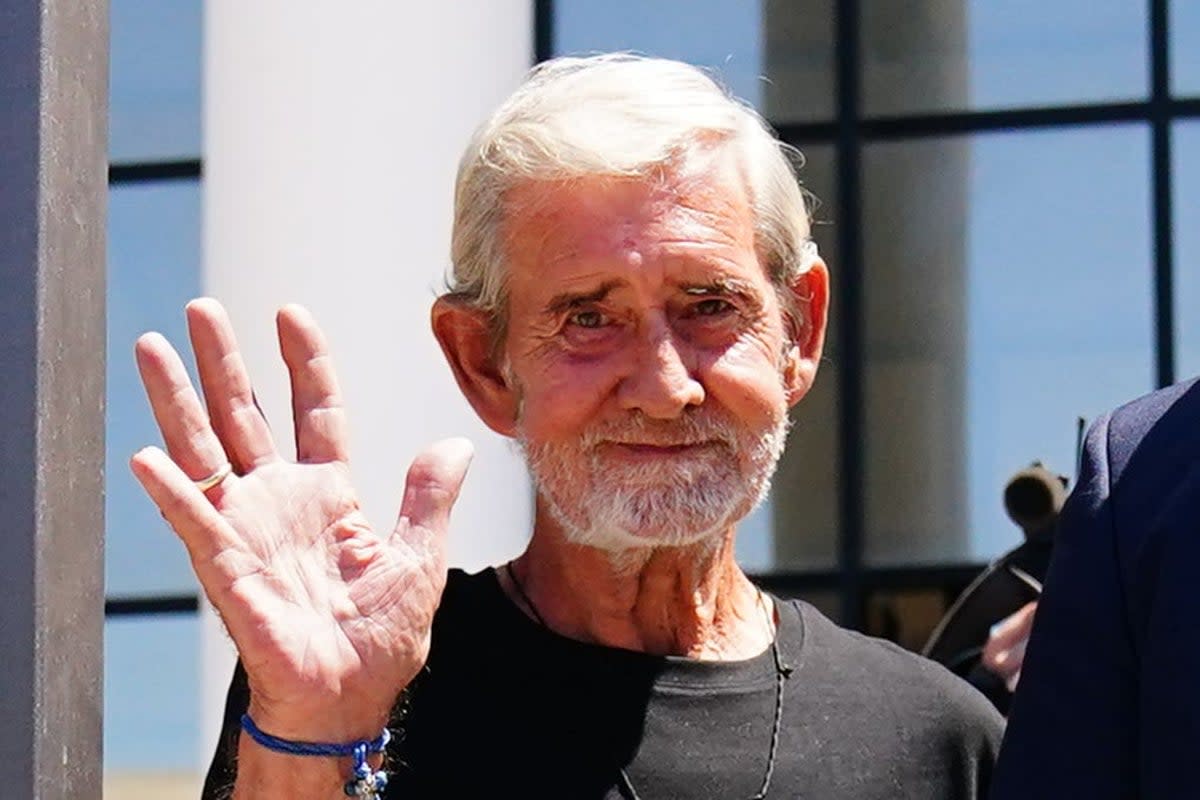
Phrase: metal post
(1161, 124)
(53, 164)
(850, 344)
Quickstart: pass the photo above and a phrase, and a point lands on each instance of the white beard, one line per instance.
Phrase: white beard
(679, 500)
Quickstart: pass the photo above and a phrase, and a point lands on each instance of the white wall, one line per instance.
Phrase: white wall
(332, 133)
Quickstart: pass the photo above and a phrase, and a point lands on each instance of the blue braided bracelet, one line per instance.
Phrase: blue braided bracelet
(364, 782)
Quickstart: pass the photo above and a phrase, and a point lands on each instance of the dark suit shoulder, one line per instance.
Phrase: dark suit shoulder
(1153, 463)
(923, 696)
(1158, 432)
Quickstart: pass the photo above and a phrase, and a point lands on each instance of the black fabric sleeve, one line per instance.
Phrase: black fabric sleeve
(1072, 730)
(222, 772)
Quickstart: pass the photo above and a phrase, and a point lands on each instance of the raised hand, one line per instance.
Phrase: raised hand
(331, 618)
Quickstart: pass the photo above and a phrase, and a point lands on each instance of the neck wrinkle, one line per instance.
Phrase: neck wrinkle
(691, 601)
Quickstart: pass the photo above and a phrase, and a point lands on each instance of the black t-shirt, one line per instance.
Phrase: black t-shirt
(508, 709)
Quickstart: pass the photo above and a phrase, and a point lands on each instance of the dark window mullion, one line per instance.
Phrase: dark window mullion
(150, 605)
(150, 171)
(543, 30)
(850, 342)
(1161, 117)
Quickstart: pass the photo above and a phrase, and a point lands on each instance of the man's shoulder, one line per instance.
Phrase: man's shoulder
(1151, 406)
(1164, 424)
(461, 584)
(848, 666)
(854, 653)
(466, 600)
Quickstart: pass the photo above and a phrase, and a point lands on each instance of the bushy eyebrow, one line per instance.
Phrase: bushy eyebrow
(566, 301)
(718, 286)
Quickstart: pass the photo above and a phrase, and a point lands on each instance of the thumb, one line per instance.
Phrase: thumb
(432, 487)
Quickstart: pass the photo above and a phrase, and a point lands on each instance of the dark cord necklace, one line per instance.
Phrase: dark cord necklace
(782, 673)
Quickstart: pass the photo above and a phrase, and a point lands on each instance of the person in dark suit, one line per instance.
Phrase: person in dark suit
(1109, 700)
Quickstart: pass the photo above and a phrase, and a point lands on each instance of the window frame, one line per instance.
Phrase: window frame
(848, 133)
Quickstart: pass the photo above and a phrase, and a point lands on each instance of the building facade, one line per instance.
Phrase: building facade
(1006, 194)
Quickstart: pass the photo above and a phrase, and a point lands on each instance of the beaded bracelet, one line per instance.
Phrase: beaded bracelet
(364, 781)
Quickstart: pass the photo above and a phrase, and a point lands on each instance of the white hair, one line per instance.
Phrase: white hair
(624, 116)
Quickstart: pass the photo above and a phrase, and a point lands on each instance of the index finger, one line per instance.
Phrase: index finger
(182, 420)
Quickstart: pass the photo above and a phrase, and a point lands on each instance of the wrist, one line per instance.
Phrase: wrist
(267, 774)
(315, 724)
(364, 778)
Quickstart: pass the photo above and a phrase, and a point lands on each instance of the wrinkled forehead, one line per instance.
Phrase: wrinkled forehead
(699, 202)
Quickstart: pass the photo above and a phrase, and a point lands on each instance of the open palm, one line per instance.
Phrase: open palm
(331, 618)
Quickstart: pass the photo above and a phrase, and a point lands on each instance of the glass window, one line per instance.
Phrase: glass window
(1185, 47)
(154, 110)
(907, 617)
(818, 176)
(790, 42)
(828, 603)
(1186, 142)
(1008, 291)
(153, 269)
(797, 527)
(722, 34)
(947, 55)
(151, 714)
(798, 60)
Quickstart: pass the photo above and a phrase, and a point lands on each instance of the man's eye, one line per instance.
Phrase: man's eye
(587, 319)
(711, 307)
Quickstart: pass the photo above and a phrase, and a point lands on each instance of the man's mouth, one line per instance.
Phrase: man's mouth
(655, 450)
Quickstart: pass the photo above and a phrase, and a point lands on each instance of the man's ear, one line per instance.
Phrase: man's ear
(810, 301)
(465, 334)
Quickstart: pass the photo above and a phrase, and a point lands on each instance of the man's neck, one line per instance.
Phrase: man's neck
(687, 601)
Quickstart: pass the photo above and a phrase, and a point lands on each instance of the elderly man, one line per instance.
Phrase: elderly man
(635, 299)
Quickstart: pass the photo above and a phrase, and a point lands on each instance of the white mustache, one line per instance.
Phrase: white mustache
(683, 432)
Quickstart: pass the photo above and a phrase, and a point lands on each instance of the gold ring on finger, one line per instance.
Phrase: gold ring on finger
(223, 472)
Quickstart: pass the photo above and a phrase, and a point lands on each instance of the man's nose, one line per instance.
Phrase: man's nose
(661, 384)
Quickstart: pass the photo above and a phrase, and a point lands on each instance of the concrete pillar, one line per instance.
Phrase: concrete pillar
(332, 134)
(53, 196)
(914, 209)
(800, 42)
(914, 229)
